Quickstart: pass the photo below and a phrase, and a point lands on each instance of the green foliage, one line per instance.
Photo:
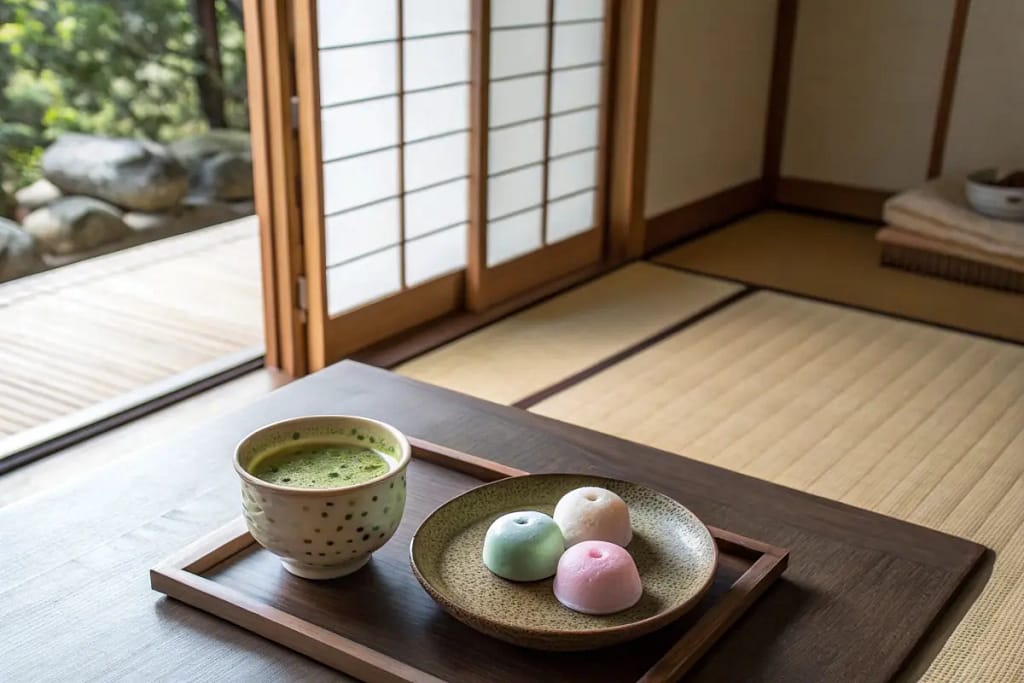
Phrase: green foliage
(110, 67)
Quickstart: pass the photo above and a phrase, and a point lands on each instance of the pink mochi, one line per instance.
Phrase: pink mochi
(597, 577)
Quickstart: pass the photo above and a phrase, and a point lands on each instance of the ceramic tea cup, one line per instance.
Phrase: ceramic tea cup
(324, 533)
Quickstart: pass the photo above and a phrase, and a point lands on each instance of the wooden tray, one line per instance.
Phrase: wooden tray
(379, 625)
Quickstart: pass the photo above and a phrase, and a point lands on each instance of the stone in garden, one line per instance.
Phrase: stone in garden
(132, 174)
(193, 151)
(74, 224)
(244, 208)
(166, 222)
(19, 254)
(219, 163)
(39, 193)
(199, 212)
(226, 176)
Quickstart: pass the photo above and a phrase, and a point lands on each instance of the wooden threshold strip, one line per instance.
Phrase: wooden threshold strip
(35, 443)
(616, 358)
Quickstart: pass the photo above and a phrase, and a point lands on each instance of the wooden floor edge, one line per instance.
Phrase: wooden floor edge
(831, 198)
(48, 438)
(844, 304)
(408, 345)
(704, 215)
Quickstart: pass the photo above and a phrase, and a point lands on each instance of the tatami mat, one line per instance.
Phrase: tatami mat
(902, 418)
(839, 261)
(528, 351)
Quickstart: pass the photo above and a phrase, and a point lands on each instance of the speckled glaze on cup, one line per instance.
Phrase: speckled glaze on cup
(330, 532)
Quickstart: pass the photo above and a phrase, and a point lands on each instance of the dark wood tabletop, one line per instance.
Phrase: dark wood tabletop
(860, 593)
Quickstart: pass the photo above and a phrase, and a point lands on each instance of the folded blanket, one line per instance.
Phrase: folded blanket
(939, 209)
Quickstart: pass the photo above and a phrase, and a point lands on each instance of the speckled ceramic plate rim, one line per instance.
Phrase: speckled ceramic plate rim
(641, 627)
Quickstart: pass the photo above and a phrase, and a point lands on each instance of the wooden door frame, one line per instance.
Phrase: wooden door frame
(633, 66)
(301, 336)
(331, 338)
(270, 86)
(625, 115)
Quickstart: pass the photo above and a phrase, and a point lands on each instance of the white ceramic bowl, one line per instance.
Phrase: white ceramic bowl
(996, 201)
(324, 533)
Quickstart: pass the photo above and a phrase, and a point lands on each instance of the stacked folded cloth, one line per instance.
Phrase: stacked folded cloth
(931, 229)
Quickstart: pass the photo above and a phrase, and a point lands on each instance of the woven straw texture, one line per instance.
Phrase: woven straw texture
(840, 261)
(521, 354)
(905, 419)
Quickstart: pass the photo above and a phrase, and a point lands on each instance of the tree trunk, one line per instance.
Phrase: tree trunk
(210, 78)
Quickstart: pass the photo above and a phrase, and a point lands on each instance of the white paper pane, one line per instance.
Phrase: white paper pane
(513, 236)
(343, 22)
(514, 191)
(355, 73)
(436, 207)
(569, 10)
(423, 17)
(515, 146)
(577, 44)
(360, 180)
(519, 51)
(571, 132)
(363, 281)
(568, 217)
(432, 161)
(516, 99)
(360, 127)
(518, 12)
(434, 255)
(436, 111)
(360, 231)
(435, 61)
(571, 173)
(575, 88)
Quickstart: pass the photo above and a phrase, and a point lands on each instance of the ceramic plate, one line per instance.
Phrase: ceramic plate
(673, 551)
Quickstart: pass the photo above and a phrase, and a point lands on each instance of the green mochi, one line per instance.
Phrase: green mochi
(523, 546)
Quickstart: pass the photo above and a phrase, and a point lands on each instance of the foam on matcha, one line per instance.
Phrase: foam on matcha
(319, 466)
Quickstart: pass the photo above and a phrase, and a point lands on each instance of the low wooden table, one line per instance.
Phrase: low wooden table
(860, 594)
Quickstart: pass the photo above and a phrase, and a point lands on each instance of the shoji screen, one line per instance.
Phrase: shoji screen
(394, 118)
(451, 152)
(541, 89)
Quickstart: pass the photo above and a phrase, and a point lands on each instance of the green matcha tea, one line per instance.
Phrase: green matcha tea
(319, 466)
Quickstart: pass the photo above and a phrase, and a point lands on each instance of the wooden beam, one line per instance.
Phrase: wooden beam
(632, 66)
(280, 138)
(778, 96)
(260, 150)
(310, 164)
(949, 75)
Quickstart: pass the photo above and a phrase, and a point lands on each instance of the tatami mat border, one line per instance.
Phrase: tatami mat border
(754, 286)
(622, 355)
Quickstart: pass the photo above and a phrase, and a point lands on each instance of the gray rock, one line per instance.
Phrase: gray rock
(195, 150)
(195, 212)
(73, 224)
(19, 254)
(140, 221)
(133, 174)
(225, 176)
(199, 212)
(244, 208)
(39, 193)
(219, 163)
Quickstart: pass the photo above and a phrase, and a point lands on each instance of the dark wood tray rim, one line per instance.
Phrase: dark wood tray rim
(180, 577)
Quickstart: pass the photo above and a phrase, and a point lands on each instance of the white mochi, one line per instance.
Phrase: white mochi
(593, 514)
